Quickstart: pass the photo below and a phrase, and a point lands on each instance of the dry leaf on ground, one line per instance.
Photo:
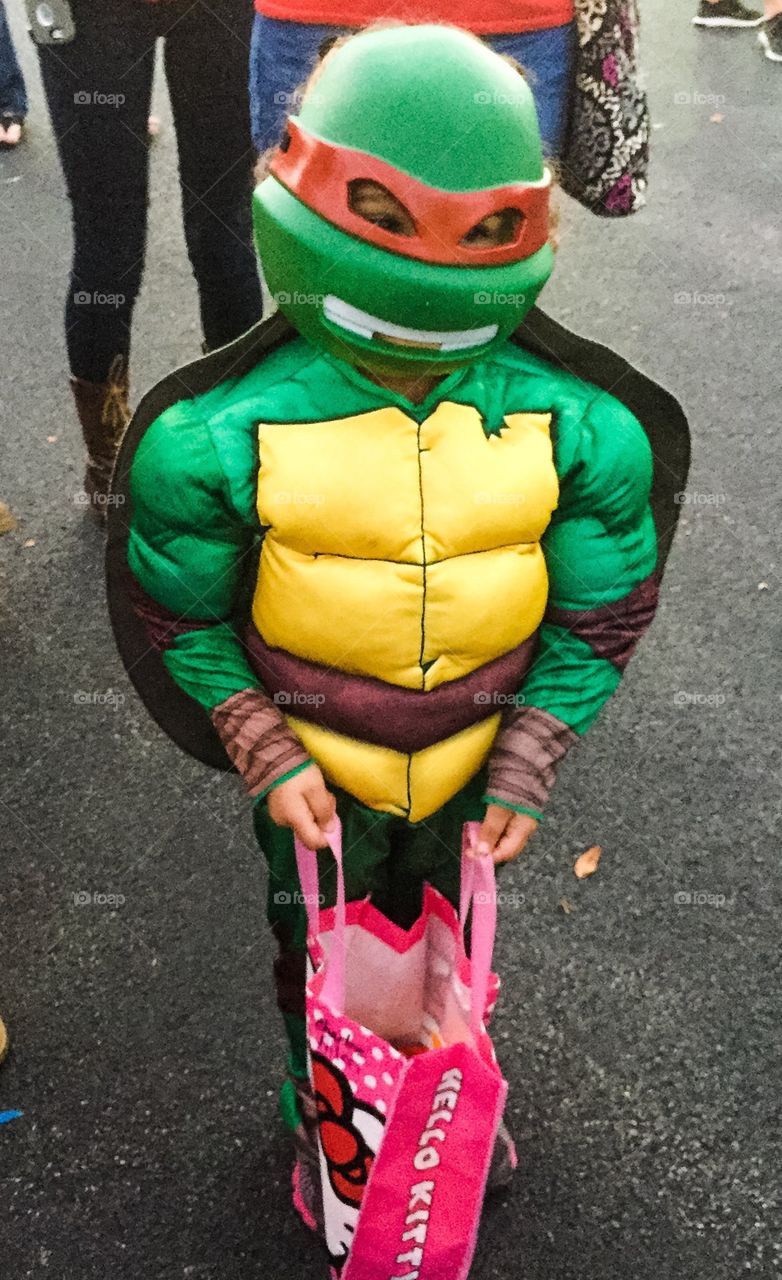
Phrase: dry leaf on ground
(7, 520)
(586, 864)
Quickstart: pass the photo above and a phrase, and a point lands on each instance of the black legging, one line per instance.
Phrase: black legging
(99, 90)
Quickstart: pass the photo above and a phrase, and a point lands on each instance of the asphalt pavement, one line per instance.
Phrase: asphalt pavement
(639, 1024)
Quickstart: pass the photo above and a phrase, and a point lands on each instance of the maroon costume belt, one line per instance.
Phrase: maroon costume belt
(387, 715)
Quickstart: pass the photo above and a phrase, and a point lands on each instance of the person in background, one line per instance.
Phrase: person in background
(13, 94)
(732, 13)
(288, 34)
(98, 89)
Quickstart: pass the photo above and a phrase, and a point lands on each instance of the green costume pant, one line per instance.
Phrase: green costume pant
(384, 856)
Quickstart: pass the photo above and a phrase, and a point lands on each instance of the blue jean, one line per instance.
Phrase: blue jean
(13, 95)
(284, 53)
(548, 59)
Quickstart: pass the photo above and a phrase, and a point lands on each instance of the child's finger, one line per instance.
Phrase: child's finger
(302, 820)
(321, 802)
(492, 827)
(514, 841)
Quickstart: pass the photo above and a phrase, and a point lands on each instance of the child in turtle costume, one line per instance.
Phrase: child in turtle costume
(396, 547)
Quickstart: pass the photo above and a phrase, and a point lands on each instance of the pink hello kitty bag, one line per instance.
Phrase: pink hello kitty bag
(408, 1090)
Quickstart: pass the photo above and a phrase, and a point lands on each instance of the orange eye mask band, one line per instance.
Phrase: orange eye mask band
(318, 173)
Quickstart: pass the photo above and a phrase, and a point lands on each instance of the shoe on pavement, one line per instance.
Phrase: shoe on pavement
(11, 130)
(770, 36)
(3, 1041)
(307, 1193)
(307, 1196)
(726, 13)
(503, 1161)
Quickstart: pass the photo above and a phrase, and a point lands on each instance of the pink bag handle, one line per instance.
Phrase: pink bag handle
(479, 888)
(333, 992)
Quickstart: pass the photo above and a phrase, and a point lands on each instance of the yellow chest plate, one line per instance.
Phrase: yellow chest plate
(404, 551)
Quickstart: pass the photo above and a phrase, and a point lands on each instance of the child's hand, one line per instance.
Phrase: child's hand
(304, 804)
(504, 833)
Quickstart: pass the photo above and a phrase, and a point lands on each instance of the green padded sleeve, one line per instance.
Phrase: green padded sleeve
(600, 545)
(193, 534)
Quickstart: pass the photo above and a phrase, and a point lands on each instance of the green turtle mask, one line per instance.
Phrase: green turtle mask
(404, 219)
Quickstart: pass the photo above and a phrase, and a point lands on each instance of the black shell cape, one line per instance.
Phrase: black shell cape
(179, 715)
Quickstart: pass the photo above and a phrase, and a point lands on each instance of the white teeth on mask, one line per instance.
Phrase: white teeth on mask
(368, 326)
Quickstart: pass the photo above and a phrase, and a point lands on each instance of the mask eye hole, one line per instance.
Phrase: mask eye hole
(495, 229)
(374, 203)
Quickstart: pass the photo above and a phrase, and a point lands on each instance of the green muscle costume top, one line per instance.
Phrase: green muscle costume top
(407, 552)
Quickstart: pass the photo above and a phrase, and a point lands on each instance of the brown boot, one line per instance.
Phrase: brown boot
(104, 414)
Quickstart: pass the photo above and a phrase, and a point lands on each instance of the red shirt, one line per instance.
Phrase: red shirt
(481, 16)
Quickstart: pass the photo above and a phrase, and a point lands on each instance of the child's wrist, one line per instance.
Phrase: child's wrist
(291, 773)
(526, 755)
(258, 740)
(517, 808)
